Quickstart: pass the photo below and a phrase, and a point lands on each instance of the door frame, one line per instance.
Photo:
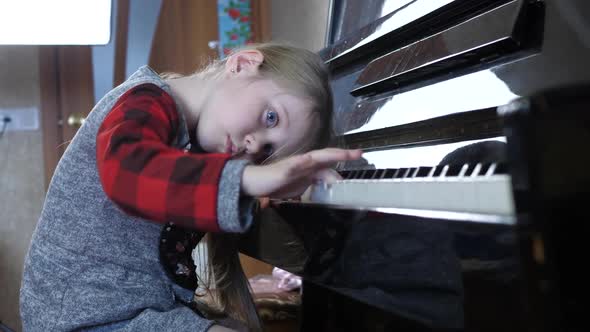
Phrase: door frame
(66, 88)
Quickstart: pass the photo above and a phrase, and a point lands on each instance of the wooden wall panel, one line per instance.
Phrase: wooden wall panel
(76, 84)
(122, 28)
(50, 105)
(261, 20)
(184, 29)
(66, 84)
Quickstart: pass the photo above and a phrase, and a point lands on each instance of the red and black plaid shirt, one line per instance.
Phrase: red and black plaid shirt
(144, 174)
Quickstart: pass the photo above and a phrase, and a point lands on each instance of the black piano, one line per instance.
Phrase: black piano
(468, 211)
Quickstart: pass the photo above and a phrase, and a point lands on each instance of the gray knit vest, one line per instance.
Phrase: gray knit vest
(89, 262)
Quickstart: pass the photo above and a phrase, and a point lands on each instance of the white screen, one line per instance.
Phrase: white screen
(55, 22)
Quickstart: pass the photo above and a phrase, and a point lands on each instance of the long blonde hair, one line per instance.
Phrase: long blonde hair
(301, 71)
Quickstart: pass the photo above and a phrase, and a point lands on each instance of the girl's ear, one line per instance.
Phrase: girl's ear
(244, 62)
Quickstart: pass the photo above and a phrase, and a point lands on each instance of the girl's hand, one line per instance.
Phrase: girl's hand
(290, 177)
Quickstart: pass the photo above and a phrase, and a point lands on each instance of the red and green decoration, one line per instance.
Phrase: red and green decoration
(234, 25)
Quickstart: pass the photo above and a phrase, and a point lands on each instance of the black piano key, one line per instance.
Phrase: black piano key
(389, 173)
(369, 174)
(361, 174)
(454, 170)
(401, 172)
(379, 173)
(470, 168)
(484, 168)
(423, 171)
(438, 170)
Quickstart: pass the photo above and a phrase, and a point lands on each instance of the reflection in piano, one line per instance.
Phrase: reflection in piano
(467, 211)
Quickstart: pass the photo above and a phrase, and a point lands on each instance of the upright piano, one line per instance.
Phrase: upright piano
(468, 210)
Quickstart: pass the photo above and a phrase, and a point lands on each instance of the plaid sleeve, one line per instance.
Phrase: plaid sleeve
(144, 175)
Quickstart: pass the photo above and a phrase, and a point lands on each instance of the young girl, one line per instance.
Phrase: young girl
(192, 151)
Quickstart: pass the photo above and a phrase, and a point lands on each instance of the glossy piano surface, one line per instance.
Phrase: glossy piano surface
(427, 83)
(554, 54)
(422, 270)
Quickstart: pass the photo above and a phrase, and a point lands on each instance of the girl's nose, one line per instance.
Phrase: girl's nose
(252, 144)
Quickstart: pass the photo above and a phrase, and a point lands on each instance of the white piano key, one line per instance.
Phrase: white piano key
(491, 194)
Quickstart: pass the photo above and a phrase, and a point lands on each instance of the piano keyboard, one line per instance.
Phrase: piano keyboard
(476, 189)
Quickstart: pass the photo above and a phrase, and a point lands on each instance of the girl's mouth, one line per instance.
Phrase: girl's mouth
(233, 149)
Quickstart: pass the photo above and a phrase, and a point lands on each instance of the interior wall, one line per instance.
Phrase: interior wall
(301, 23)
(21, 152)
(21, 175)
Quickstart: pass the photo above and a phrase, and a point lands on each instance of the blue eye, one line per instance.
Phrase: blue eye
(271, 118)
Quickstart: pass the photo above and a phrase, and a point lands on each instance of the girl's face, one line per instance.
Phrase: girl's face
(254, 119)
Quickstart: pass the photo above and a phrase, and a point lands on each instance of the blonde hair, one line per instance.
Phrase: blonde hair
(303, 72)
(298, 70)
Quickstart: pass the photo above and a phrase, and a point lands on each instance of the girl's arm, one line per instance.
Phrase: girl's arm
(144, 175)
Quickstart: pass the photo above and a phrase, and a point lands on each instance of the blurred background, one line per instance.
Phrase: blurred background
(48, 90)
